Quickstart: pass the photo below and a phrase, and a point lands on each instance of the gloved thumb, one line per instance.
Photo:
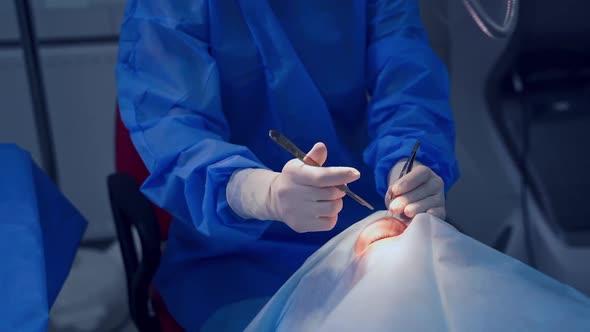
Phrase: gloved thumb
(319, 154)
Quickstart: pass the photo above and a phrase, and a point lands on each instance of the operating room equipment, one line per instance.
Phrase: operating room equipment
(429, 278)
(408, 165)
(541, 80)
(488, 25)
(290, 147)
(29, 42)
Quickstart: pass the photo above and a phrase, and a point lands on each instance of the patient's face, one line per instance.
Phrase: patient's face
(382, 228)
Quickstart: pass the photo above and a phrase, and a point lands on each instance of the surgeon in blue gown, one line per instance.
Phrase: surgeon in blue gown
(200, 84)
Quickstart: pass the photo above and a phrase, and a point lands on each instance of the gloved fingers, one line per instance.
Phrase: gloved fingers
(429, 188)
(319, 153)
(325, 194)
(327, 223)
(327, 208)
(313, 224)
(418, 176)
(324, 176)
(431, 202)
(438, 212)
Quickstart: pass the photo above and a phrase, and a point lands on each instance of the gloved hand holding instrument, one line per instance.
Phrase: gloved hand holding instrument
(409, 194)
(303, 195)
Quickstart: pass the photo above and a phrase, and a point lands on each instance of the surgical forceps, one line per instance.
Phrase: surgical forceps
(286, 144)
(405, 170)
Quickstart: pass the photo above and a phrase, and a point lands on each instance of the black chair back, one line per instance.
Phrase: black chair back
(131, 209)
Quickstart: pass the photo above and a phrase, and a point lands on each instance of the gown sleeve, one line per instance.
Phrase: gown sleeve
(169, 97)
(409, 90)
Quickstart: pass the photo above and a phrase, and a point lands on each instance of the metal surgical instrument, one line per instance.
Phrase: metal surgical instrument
(286, 144)
(405, 170)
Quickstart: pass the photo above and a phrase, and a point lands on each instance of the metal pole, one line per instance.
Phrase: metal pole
(36, 87)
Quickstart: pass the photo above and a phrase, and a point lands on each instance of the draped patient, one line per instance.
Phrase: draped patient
(379, 275)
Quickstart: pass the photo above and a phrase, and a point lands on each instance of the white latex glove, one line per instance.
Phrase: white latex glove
(419, 191)
(303, 197)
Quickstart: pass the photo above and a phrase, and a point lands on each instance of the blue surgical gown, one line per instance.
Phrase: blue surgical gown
(200, 84)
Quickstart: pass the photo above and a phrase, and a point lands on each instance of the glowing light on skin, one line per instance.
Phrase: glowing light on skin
(383, 228)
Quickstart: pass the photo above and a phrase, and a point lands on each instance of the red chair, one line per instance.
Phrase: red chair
(131, 208)
(127, 160)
